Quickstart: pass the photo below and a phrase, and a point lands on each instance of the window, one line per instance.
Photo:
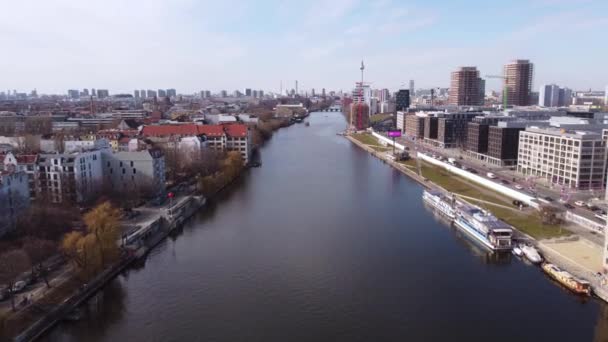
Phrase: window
(134, 171)
(131, 163)
(124, 171)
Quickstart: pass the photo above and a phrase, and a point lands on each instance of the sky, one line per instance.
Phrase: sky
(190, 45)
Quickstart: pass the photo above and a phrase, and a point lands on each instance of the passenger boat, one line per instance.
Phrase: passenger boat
(517, 251)
(532, 254)
(440, 202)
(484, 227)
(574, 284)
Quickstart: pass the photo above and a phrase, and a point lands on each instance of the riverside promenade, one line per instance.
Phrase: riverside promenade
(576, 254)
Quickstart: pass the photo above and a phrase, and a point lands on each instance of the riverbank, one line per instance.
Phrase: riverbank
(557, 248)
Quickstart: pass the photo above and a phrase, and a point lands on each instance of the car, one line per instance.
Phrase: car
(580, 203)
(491, 175)
(548, 199)
(569, 206)
(518, 187)
(473, 171)
(505, 182)
(594, 208)
(19, 286)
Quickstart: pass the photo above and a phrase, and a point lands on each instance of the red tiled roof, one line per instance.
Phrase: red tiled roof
(124, 140)
(165, 130)
(211, 130)
(236, 130)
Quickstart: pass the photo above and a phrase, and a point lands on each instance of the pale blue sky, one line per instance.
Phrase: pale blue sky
(191, 45)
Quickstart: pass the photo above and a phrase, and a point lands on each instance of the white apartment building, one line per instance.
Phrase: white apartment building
(401, 121)
(574, 159)
(14, 198)
(75, 178)
(23, 163)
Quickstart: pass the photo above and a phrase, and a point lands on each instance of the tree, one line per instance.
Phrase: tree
(103, 223)
(549, 216)
(39, 251)
(47, 222)
(12, 264)
(38, 125)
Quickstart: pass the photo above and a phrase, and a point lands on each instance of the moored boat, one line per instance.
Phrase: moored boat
(484, 227)
(440, 202)
(531, 254)
(573, 283)
(517, 251)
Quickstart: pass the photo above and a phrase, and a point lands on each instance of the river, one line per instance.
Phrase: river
(326, 243)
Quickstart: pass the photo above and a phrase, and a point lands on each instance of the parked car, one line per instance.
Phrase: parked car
(580, 203)
(519, 203)
(473, 171)
(491, 175)
(594, 208)
(518, 187)
(548, 199)
(19, 286)
(569, 206)
(505, 182)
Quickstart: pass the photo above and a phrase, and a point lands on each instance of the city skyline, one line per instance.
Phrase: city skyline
(187, 45)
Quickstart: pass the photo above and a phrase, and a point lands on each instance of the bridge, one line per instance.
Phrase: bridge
(332, 109)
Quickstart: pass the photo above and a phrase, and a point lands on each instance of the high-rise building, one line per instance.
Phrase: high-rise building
(261, 93)
(247, 91)
(224, 93)
(551, 95)
(171, 92)
(136, 94)
(565, 97)
(482, 91)
(323, 91)
(143, 94)
(464, 87)
(402, 99)
(412, 90)
(548, 95)
(254, 93)
(150, 93)
(93, 92)
(519, 75)
(85, 92)
(73, 94)
(161, 93)
(103, 93)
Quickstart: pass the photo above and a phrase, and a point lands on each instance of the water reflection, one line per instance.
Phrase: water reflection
(98, 315)
(485, 255)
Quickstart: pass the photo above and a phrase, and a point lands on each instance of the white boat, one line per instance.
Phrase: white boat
(517, 251)
(440, 202)
(531, 254)
(484, 227)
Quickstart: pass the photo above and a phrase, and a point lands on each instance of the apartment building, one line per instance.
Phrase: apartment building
(140, 172)
(400, 121)
(228, 137)
(465, 87)
(14, 198)
(518, 80)
(503, 142)
(25, 163)
(574, 159)
(69, 178)
(452, 129)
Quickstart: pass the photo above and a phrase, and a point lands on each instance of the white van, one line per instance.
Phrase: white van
(491, 175)
(580, 203)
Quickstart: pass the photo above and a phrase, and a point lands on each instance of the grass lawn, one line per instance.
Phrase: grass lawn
(379, 148)
(528, 222)
(379, 117)
(367, 139)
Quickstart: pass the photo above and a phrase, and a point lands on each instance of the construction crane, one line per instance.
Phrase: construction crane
(505, 91)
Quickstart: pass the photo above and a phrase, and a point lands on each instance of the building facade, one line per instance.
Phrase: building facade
(574, 159)
(402, 99)
(465, 87)
(14, 199)
(414, 126)
(69, 178)
(519, 75)
(138, 172)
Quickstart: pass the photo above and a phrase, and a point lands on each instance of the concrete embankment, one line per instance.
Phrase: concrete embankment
(156, 230)
(549, 248)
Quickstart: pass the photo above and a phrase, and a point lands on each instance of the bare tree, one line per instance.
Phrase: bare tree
(12, 264)
(38, 125)
(39, 251)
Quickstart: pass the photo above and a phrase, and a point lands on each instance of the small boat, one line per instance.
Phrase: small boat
(573, 283)
(531, 254)
(517, 251)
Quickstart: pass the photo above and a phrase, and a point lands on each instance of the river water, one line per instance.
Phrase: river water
(326, 243)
